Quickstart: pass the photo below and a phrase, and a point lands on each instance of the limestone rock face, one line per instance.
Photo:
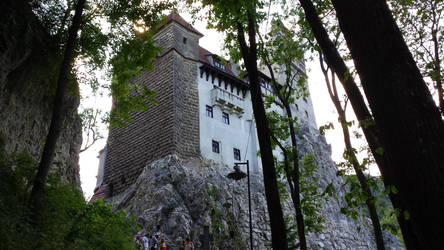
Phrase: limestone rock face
(186, 196)
(28, 65)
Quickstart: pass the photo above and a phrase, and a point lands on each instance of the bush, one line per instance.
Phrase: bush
(69, 222)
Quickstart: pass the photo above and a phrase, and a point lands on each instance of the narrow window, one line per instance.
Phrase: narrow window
(209, 111)
(297, 107)
(184, 40)
(236, 153)
(306, 114)
(305, 99)
(266, 88)
(215, 145)
(225, 118)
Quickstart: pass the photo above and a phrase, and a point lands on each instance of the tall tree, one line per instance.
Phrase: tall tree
(410, 125)
(388, 165)
(131, 53)
(249, 54)
(241, 18)
(282, 51)
(37, 194)
(350, 153)
(338, 67)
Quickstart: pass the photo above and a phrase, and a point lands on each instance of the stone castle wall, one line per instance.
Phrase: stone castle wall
(186, 99)
(170, 127)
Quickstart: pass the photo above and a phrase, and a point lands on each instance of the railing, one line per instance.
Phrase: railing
(227, 100)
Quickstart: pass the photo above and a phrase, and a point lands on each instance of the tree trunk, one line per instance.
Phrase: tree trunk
(249, 54)
(332, 91)
(364, 186)
(437, 67)
(294, 196)
(410, 125)
(296, 178)
(38, 189)
(293, 178)
(337, 64)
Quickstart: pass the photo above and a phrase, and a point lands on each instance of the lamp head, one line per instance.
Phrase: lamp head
(237, 174)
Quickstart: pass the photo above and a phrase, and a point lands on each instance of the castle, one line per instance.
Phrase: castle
(169, 165)
(204, 109)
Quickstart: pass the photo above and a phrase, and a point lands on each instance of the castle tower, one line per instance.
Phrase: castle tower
(204, 109)
(172, 126)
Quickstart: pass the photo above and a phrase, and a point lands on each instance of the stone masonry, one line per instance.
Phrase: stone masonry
(185, 196)
(172, 126)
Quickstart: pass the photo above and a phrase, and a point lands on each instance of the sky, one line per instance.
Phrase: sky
(213, 41)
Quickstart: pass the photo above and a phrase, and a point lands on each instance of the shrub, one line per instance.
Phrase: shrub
(69, 222)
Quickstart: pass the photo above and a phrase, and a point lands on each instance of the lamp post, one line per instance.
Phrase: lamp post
(236, 175)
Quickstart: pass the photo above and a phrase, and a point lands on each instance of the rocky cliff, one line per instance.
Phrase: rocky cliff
(28, 64)
(190, 197)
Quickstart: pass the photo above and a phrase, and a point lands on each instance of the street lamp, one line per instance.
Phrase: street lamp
(236, 175)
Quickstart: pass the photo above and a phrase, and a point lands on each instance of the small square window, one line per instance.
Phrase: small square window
(266, 88)
(215, 145)
(225, 118)
(236, 153)
(219, 64)
(209, 111)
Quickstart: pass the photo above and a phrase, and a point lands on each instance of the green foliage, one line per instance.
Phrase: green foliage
(98, 227)
(222, 222)
(135, 56)
(325, 127)
(312, 200)
(68, 222)
(109, 42)
(214, 192)
(90, 126)
(354, 197)
(292, 234)
(15, 171)
(389, 216)
(421, 23)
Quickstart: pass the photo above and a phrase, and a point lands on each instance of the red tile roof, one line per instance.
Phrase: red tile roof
(178, 19)
(99, 194)
(203, 53)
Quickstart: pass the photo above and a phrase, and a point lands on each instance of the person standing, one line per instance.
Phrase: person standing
(153, 242)
(162, 244)
(189, 244)
(139, 241)
(145, 241)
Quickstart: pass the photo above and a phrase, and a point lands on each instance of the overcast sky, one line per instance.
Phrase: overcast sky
(213, 41)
